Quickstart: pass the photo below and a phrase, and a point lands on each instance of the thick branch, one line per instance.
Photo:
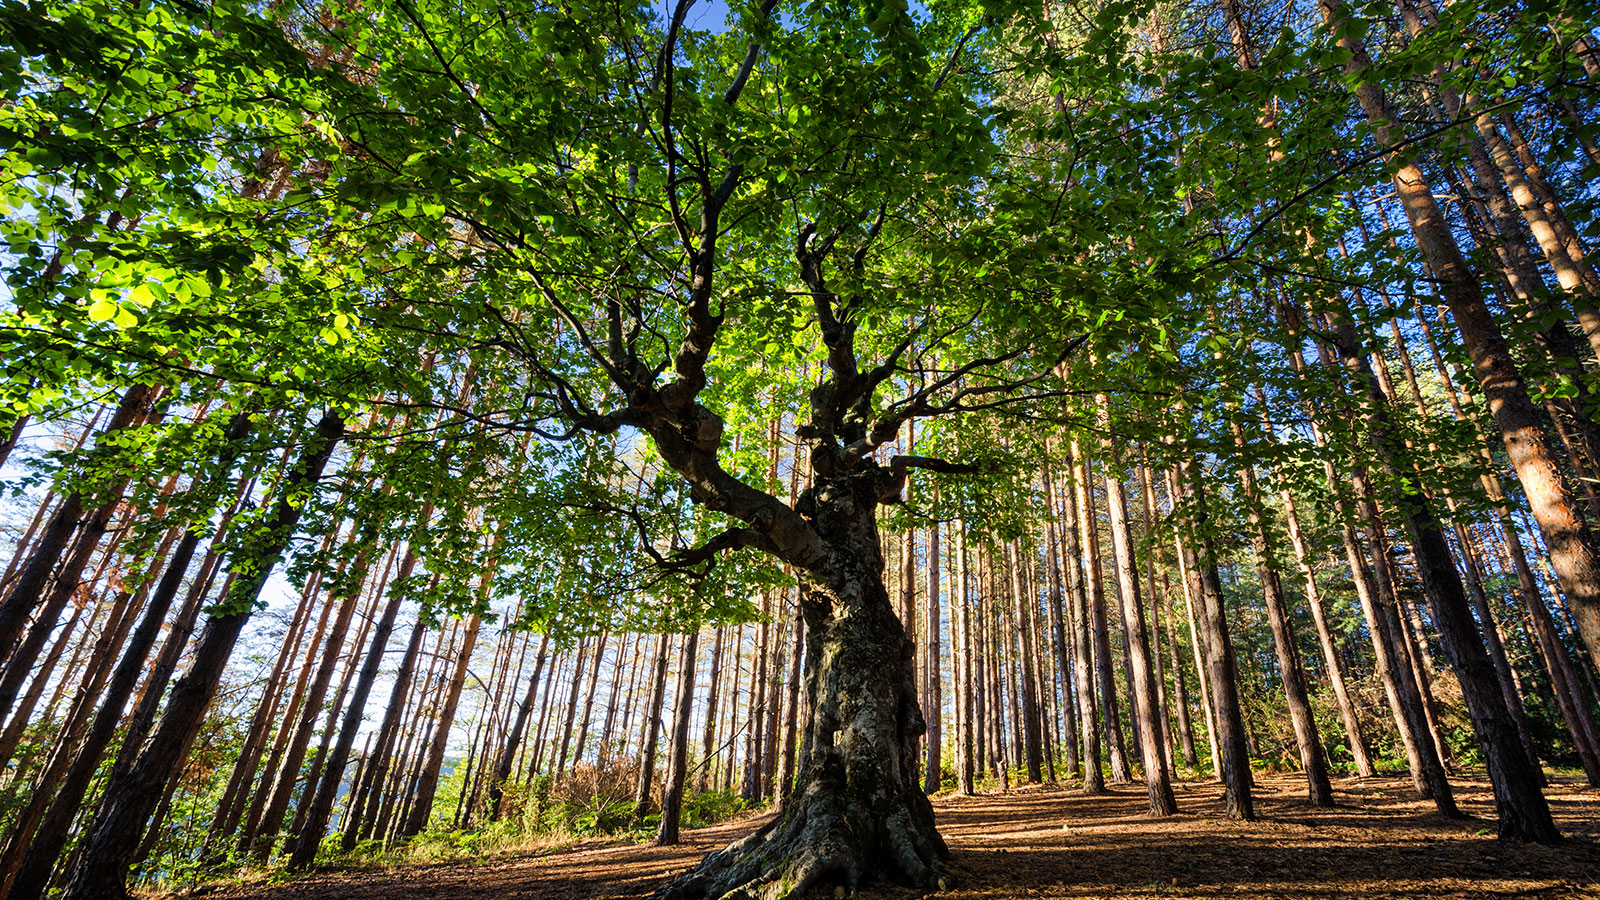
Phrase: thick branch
(892, 488)
(707, 553)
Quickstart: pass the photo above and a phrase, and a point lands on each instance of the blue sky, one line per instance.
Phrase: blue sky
(704, 15)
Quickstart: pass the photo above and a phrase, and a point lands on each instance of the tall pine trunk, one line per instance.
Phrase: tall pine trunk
(678, 751)
(1141, 675)
(1206, 586)
(112, 839)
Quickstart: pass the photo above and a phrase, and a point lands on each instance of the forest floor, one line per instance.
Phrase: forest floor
(1052, 841)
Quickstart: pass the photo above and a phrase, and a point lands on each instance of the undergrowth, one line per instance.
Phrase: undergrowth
(593, 800)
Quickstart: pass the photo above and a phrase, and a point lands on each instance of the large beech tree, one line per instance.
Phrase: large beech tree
(641, 235)
(625, 320)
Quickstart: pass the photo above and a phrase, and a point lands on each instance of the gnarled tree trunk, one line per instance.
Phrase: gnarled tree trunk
(857, 808)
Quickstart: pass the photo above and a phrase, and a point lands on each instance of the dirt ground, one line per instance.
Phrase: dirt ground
(1051, 841)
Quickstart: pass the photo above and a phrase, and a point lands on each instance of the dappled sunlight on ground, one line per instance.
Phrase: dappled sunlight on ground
(1052, 841)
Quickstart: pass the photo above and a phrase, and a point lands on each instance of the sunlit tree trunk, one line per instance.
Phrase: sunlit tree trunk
(933, 653)
(1202, 671)
(966, 708)
(644, 787)
(1206, 586)
(1060, 621)
(1330, 653)
(678, 751)
(1573, 549)
(111, 840)
(1077, 512)
(1290, 671)
(1141, 675)
(1524, 815)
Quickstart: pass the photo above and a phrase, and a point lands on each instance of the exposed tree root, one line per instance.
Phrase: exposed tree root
(857, 810)
(823, 841)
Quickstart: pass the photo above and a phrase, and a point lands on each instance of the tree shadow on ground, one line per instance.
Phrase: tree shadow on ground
(1381, 842)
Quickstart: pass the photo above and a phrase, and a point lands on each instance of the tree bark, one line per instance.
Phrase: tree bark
(708, 742)
(1188, 584)
(1573, 549)
(1083, 674)
(1207, 587)
(678, 754)
(43, 845)
(111, 841)
(858, 808)
(364, 805)
(1141, 675)
(264, 835)
(587, 712)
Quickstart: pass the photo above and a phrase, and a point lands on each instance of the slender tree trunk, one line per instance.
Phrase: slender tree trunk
(232, 807)
(1180, 690)
(1330, 655)
(281, 737)
(1073, 532)
(628, 649)
(1207, 587)
(1028, 701)
(1290, 671)
(568, 721)
(111, 841)
(678, 754)
(1575, 710)
(41, 830)
(360, 817)
(1163, 598)
(508, 754)
(1141, 675)
(1189, 583)
(1100, 629)
(965, 707)
(934, 774)
(775, 684)
(1524, 814)
(428, 783)
(588, 700)
(264, 835)
(1061, 686)
(302, 848)
(318, 759)
(708, 742)
(652, 730)
(1497, 651)
(791, 711)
